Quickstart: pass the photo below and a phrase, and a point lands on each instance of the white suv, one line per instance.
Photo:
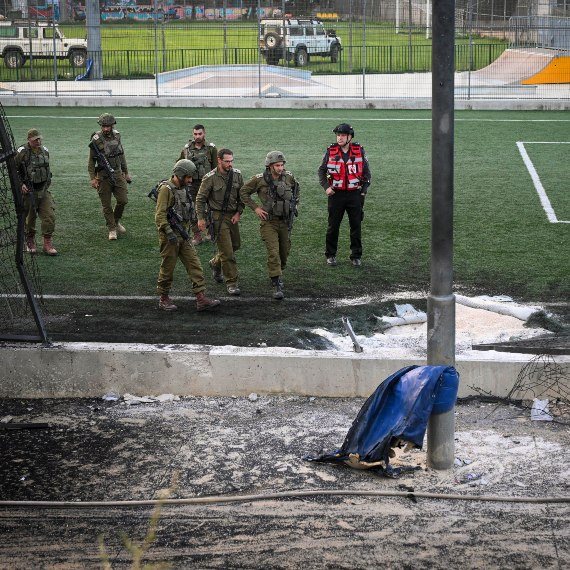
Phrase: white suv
(20, 40)
(297, 40)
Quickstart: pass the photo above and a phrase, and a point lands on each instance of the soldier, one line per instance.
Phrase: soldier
(278, 193)
(172, 194)
(220, 192)
(103, 179)
(32, 162)
(203, 154)
(345, 176)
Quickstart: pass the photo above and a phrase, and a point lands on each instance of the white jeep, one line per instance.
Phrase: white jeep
(21, 40)
(297, 40)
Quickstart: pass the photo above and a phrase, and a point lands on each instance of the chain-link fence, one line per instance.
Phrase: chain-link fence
(341, 48)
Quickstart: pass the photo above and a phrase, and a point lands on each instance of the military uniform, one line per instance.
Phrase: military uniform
(111, 146)
(34, 170)
(169, 195)
(212, 192)
(274, 231)
(205, 159)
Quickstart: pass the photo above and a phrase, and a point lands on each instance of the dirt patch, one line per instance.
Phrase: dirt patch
(96, 450)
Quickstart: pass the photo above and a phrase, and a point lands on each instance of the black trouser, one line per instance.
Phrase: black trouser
(339, 203)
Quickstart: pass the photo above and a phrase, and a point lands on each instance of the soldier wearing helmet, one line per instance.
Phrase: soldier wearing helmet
(108, 141)
(32, 162)
(345, 176)
(172, 198)
(204, 155)
(219, 191)
(278, 195)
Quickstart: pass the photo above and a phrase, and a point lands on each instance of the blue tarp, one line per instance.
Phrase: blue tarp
(399, 409)
(87, 71)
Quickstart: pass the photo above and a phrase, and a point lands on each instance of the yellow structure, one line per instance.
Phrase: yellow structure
(557, 71)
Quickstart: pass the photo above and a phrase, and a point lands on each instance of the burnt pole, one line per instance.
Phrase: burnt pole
(441, 301)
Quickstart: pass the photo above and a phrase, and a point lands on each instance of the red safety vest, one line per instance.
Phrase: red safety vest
(345, 175)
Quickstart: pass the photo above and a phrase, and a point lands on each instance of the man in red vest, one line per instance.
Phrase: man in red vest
(345, 176)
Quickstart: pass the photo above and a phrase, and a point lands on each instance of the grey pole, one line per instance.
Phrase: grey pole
(441, 301)
(93, 15)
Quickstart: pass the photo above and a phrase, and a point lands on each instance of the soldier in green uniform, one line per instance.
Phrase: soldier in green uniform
(203, 154)
(32, 162)
(172, 194)
(276, 191)
(108, 141)
(220, 192)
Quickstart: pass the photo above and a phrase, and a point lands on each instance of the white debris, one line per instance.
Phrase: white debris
(111, 397)
(500, 304)
(539, 411)
(406, 315)
(6, 419)
(167, 398)
(253, 397)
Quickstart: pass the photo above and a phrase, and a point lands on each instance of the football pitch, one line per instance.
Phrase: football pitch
(512, 202)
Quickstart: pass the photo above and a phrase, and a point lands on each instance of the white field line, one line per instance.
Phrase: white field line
(546, 205)
(328, 119)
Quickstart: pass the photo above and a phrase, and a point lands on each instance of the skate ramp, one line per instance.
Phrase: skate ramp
(514, 66)
(237, 81)
(556, 71)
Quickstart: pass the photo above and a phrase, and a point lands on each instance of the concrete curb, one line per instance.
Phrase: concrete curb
(93, 369)
(90, 100)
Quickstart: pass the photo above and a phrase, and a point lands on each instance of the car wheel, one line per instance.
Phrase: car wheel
(272, 40)
(301, 58)
(77, 58)
(334, 53)
(13, 59)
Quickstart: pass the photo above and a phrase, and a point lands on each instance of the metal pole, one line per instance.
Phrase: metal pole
(427, 19)
(225, 29)
(441, 301)
(93, 16)
(156, 46)
(350, 36)
(54, 43)
(398, 16)
(259, 49)
(364, 50)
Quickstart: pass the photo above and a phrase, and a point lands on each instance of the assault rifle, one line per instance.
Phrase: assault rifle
(103, 162)
(293, 210)
(174, 219)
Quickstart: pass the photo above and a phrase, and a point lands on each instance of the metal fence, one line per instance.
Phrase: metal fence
(386, 52)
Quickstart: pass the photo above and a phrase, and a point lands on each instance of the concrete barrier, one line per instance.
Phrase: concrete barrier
(93, 369)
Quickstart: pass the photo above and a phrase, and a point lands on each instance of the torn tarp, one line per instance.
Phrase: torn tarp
(398, 411)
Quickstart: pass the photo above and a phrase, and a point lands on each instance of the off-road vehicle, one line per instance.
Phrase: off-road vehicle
(297, 40)
(20, 40)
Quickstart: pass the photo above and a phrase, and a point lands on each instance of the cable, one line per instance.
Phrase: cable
(282, 495)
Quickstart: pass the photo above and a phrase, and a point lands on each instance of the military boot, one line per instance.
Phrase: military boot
(166, 304)
(31, 243)
(203, 303)
(48, 246)
(277, 285)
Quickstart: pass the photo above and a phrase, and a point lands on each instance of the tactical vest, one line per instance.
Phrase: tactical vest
(279, 198)
(200, 157)
(345, 175)
(36, 165)
(111, 147)
(183, 205)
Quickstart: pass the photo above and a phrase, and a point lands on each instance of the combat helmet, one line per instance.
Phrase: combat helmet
(184, 167)
(107, 120)
(344, 129)
(273, 157)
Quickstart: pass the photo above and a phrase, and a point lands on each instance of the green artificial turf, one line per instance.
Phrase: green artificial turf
(504, 242)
